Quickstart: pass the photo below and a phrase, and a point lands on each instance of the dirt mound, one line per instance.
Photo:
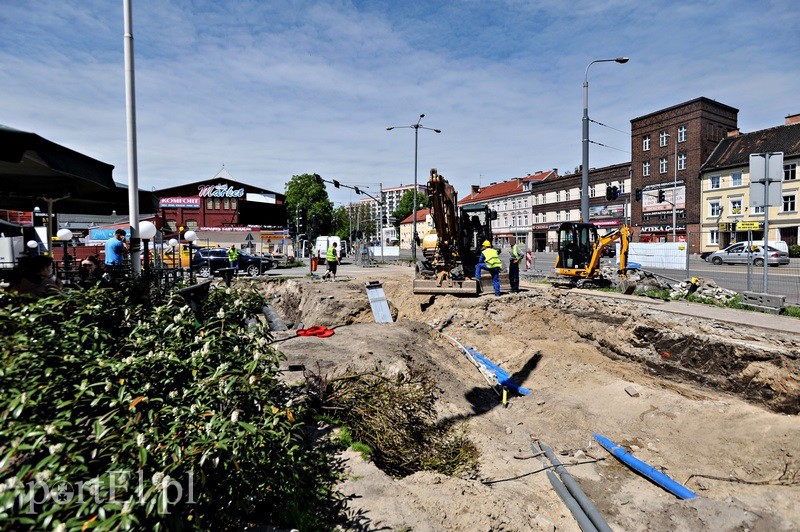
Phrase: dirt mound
(579, 355)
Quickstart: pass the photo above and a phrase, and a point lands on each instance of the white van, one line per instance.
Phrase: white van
(777, 244)
(323, 243)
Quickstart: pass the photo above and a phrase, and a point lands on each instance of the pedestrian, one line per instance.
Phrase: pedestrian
(36, 277)
(233, 257)
(513, 265)
(116, 249)
(489, 261)
(332, 260)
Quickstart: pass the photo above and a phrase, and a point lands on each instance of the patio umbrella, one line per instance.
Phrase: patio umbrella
(33, 168)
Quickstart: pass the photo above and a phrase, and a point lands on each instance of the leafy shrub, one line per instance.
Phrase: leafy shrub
(395, 421)
(794, 251)
(96, 389)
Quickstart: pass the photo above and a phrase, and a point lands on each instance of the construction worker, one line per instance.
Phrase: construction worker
(490, 261)
(513, 265)
(332, 260)
(233, 257)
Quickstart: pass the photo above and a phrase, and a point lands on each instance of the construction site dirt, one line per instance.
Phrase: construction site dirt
(710, 403)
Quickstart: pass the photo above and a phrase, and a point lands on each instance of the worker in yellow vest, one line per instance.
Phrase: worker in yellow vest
(490, 261)
(233, 256)
(513, 265)
(332, 260)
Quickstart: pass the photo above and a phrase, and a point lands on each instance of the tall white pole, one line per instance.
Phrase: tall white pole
(380, 207)
(766, 219)
(133, 172)
(414, 208)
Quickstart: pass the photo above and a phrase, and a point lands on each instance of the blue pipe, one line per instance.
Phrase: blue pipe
(644, 469)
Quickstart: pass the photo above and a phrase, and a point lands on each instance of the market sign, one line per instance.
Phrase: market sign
(220, 191)
(179, 203)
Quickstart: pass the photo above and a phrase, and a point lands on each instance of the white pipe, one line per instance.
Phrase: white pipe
(133, 173)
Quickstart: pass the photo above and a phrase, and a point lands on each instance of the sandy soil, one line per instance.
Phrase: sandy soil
(713, 400)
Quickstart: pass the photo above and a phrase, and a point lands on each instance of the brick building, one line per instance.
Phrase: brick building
(558, 199)
(221, 210)
(668, 147)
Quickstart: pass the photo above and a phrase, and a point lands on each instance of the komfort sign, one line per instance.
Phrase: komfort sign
(220, 190)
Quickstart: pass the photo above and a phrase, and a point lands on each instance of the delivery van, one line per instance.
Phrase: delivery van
(323, 243)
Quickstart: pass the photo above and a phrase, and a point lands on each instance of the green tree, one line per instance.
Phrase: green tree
(303, 191)
(341, 222)
(406, 205)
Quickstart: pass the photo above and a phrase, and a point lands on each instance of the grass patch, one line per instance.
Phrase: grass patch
(792, 311)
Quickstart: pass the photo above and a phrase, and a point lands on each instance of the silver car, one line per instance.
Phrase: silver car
(739, 253)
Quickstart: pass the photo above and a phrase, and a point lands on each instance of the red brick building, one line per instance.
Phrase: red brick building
(668, 147)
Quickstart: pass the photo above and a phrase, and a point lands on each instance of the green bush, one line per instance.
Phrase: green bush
(794, 251)
(96, 388)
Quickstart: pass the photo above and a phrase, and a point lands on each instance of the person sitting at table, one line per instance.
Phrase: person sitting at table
(36, 277)
(91, 272)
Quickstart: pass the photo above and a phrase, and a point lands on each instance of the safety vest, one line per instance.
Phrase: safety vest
(515, 252)
(331, 255)
(491, 258)
(233, 254)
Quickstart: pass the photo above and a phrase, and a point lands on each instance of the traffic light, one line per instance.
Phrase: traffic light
(314, 223)
(301, 220)
(612, 193)
(638, 194)
(661, 197)
(318, 179)
(357, 190)
(335, 183)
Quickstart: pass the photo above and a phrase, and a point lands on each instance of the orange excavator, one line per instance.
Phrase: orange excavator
(579, 252)
(452, 248)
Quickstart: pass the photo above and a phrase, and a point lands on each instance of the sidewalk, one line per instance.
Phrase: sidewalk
(699, 310)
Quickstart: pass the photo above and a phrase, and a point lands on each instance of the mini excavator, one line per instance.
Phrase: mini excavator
(579, 252)
(452, 248)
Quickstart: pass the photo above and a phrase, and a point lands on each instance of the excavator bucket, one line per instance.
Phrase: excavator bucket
(468, 287)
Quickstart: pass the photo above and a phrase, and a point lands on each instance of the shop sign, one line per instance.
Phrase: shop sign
(661, 228)
(220, 191)
(179, 203)
(606, 223)
(231, 228)
(748, 226)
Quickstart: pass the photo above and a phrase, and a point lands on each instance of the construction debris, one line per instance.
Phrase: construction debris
(703, 288)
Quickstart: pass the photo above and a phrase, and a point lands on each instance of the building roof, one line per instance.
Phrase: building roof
(222, 175)
(736, 150)
(506, 188)
(421, 214)
(696, 100)
(540, 176)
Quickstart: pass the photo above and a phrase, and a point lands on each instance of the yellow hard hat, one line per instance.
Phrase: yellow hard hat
(487, 244)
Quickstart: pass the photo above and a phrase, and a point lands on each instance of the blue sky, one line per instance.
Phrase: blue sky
(276, 88)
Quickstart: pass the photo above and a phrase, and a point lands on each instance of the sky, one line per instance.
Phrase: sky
(274, 88)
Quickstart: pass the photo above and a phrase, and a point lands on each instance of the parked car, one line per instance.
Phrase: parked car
(173, 259)
(739, 253)
(209, 261)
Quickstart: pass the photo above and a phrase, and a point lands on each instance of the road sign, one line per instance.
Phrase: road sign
(748, 226)
(249, 237)
(769, 165)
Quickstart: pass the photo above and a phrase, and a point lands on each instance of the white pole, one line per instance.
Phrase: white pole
(766, 218)
(133, 175)
(380, 207)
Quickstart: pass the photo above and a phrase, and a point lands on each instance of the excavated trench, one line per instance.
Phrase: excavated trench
(762, 367)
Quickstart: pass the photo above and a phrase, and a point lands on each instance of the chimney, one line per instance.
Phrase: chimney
(733, 133)
(793, 119)
(475, 189)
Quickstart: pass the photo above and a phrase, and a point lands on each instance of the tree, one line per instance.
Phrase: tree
(305, 192)
(341, 222)
(406, 205)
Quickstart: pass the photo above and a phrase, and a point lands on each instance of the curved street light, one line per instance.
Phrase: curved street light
(585, 173)
(416, 127)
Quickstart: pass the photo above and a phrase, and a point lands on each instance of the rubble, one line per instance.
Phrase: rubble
(703, 288)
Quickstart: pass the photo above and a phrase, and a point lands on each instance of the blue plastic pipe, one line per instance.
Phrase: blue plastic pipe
(644, 469)
(503, 377)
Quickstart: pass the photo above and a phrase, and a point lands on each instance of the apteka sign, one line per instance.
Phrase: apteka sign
(220, 191)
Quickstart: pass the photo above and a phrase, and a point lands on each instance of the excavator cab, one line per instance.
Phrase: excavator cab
(576, 243)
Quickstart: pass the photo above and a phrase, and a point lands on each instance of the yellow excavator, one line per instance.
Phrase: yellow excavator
(452, 248)
(579, 252)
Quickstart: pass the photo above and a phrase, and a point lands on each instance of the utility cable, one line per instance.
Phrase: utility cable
(609, 147)
(609, 127)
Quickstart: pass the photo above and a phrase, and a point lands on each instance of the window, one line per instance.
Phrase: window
(713, 237)
(526, 220)
(566, 216)
(216, 203)
(621, 186)
(209, 203)
(789, 203)
(714, 181)
(646, 168)
(681, 133)
(662, 138)
(681, 161)
(566, 195)
(790, 171)
(662, 165)
(736, 179)
(758, 210)
(226, 204)
(536, 199)
(558, 216)
(736, 207)
(513, 221)
(591, 191)
(558, 196)
(714, 208)
(190, 224)
(646, 143)
(172, 225)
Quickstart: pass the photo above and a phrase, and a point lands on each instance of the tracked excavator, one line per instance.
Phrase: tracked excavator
(452, 248)
(579, 252)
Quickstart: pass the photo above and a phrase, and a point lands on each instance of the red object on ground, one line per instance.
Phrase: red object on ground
(317, 330)
(327, 333)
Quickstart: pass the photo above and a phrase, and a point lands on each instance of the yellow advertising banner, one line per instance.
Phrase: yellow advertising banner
(747, 226)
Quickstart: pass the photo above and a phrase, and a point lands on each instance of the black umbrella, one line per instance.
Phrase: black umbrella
(34, 169)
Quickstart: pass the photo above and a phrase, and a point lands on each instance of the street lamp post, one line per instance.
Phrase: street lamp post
(585, 176)
(147, 230)
(65, 235)
(190, 237)
(416, 127)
